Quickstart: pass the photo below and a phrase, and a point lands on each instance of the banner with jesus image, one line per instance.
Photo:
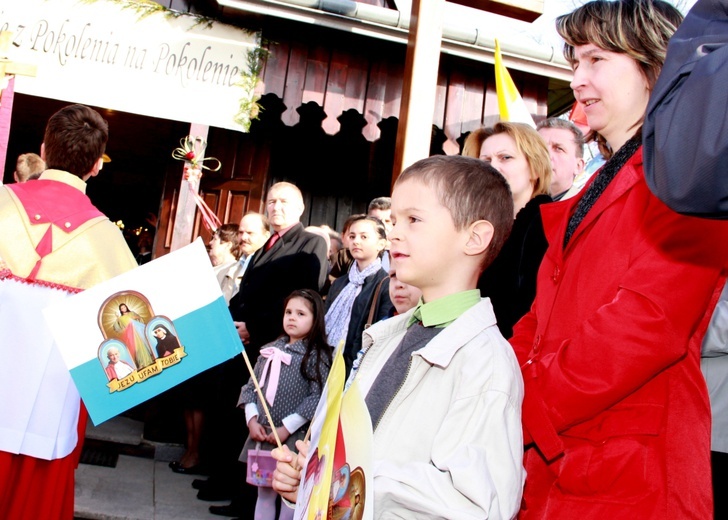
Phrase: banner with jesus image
(143, 332)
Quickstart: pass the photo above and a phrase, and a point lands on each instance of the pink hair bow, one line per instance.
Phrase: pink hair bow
(273, 359)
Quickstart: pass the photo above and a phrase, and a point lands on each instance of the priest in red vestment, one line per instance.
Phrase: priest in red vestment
(54, 243)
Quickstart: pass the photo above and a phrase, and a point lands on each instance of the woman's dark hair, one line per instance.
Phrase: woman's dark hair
(350, 220)
(316, 342)
(378, 226)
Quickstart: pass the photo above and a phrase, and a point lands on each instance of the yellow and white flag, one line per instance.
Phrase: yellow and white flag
(336, 481)
(510, 103)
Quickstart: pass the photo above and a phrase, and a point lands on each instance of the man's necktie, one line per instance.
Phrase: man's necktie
(273, 239)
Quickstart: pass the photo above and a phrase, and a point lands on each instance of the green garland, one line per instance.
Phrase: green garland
(249, 107)
(142, 7)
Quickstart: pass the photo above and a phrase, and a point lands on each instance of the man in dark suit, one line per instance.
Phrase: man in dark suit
(291, 259)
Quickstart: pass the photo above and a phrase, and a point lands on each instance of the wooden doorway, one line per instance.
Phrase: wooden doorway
(232, 191)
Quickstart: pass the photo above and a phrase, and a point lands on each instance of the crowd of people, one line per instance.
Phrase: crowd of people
(526, 329)
(322, 289)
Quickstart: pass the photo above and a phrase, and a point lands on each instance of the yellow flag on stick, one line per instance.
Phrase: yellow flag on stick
(510, 103)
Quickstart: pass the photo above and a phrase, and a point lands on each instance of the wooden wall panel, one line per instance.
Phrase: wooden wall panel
(356, 86)
(221, 145)
(317, 71)
(237, 204)
(345, 207)
(322, 210)
(522, 82)
(259, 174)
(393, 92)
(295, 81)
(490, 107)
(374, 105)
(370, 82)
(438, 119)
(274, 72)
(335, 91)
(243, 167)
(535, 90)
(167, 212)
(454, 111)
(473, 102)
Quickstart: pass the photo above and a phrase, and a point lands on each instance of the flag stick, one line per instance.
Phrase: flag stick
(305, 440)
(262, 398)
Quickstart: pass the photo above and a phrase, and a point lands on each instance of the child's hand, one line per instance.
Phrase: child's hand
(257, 432)
(286, 477)
(283, 435)
(302, 448)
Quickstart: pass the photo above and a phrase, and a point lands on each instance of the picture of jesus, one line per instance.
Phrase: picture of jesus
(130, 327)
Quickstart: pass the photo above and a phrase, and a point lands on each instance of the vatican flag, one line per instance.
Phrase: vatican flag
(510, 103)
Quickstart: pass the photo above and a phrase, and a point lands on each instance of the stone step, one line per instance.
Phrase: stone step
(128, 435)
(137, 489)
(120, 429)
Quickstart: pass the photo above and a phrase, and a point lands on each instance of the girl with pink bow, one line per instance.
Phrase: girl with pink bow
(292, 371)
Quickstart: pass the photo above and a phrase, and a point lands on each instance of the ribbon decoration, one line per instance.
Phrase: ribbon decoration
(191, 151)
(273, 359)
(209, 219)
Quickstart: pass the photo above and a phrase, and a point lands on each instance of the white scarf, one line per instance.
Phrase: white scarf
(339, 314)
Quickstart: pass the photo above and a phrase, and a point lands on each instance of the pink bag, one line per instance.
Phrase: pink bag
(260, 467)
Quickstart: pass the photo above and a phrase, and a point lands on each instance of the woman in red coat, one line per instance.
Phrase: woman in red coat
(616, 415)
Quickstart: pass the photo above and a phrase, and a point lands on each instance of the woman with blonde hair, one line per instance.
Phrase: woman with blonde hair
(616, 415)
(519, 153)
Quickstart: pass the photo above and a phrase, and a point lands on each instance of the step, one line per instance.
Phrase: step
(120, 429)
(128, 434)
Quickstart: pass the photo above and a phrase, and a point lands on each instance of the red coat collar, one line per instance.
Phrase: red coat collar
(555, 216)
(51, 201)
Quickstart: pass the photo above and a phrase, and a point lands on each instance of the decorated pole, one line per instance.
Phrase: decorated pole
(191, 151)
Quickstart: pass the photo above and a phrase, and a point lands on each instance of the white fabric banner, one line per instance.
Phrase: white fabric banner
(108, 54)
(139, 334)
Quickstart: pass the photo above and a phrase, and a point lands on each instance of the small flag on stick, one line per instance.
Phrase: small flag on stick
(510, 103)
(578, 117)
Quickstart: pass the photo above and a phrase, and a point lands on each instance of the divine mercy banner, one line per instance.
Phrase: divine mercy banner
(143, 332)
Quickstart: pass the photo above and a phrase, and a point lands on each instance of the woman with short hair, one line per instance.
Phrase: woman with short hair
(616, 415)
(519, 153)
